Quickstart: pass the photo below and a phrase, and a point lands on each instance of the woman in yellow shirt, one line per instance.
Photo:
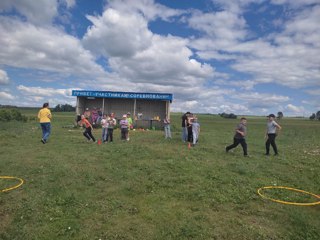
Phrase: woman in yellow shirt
(44, 116)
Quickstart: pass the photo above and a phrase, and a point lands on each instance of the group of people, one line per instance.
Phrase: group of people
(190, 129)
(94, 116)
(271, 133)
(108, 123)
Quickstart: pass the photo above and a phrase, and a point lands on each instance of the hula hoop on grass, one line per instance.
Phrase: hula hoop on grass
(291, 189)
(15, 186)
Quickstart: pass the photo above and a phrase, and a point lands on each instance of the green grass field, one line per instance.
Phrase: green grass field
(150, 188)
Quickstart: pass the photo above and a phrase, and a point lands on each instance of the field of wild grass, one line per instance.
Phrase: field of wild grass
(152, 188)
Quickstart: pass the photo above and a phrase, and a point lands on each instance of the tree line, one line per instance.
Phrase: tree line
(315, 116)
(64, 108)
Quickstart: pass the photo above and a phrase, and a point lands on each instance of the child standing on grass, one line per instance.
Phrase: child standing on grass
(189, 128)
(271, 134)
(239, 137)
(104, 124)
(111, 124)
(124, 127)
(184, 119)
(167, 130)
(130, 124)
(195, 131)
(87, 132)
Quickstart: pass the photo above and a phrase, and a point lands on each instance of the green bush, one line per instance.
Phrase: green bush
(226, 115)
(11, 114)
(32, 118)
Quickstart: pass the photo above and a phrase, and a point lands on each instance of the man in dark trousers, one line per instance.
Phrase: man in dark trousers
(271, 134)
(239, 137)
(184, 119)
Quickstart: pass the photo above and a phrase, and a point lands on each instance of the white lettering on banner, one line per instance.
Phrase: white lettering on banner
(129, 95)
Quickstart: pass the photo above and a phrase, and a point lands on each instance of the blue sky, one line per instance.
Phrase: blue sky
(248, 57)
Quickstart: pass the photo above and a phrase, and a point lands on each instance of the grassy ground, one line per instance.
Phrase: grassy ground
(150, 188)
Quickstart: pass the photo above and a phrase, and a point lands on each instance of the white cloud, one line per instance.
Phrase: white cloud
(294, 61)
(262, 97)
(117, 35)
(4, 79)
(218, 26)
(315, 92)
(35, 96)
(191, 104)
(40, 91)
(256, 101)
(211, 100)
(287, 58)
(235, 6)
(70, 3)
(166, 62)
(37, 12)
(239, 85)
(6, 96)
(148, 8)
(215, 54)
(138, 55)
(295, 3)
(302, 25)
(27, 46)
(295, 109)
(233, 108)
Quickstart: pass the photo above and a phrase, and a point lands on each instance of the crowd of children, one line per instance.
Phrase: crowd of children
(190, 129)
(107, 122)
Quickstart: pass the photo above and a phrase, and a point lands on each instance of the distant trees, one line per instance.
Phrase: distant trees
(64, 108)
(315, 116)
(7, 106)
(7, 115)
(228, 115)
(279, 115)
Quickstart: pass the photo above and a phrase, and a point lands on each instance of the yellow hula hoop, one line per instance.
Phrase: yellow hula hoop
(291, 189)
(15, 186)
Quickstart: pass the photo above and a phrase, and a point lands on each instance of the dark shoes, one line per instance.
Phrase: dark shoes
(43, 141)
